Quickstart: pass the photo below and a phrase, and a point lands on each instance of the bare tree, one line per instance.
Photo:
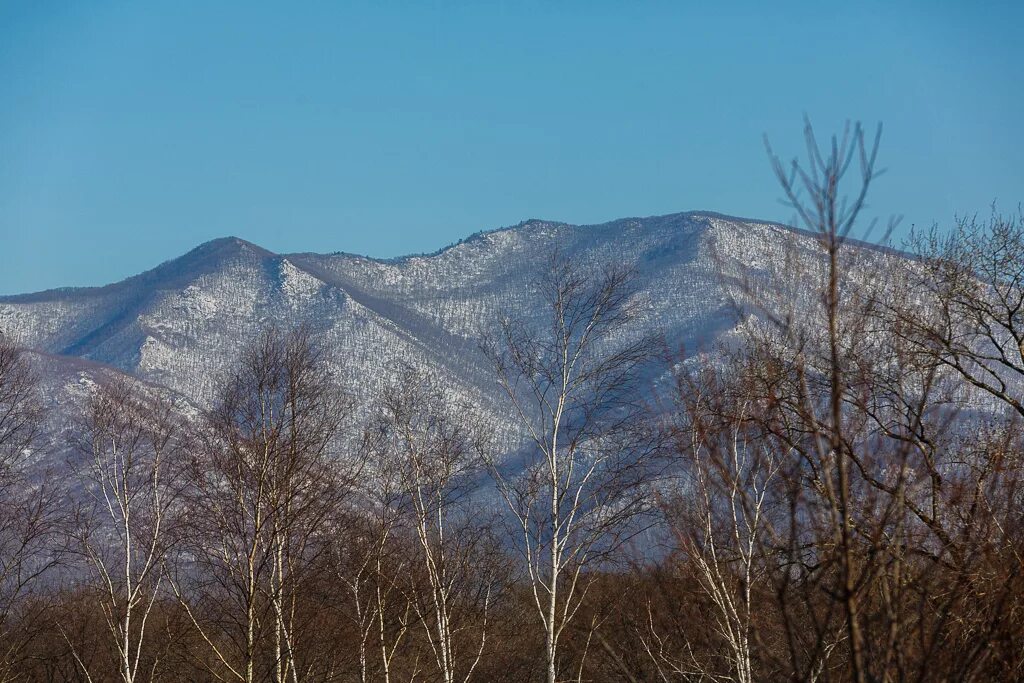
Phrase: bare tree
(129, 440)
(32, 531)
(433, 442)
(957, 310)
(264, 491)
(719, 519)
(816, 193)
(966, 305)
(371, 558)
(574, 385)
(889, 529)
(375, 572)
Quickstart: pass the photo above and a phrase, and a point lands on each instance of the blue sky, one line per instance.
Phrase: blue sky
(132, 131)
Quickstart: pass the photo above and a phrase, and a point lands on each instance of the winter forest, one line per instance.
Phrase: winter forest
(833, 494)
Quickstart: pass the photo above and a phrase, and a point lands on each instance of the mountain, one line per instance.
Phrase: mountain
(181, 324)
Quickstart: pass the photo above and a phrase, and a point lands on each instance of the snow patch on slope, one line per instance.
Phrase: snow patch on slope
(297, 285)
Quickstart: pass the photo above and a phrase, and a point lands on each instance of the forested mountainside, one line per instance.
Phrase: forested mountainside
(182, 324)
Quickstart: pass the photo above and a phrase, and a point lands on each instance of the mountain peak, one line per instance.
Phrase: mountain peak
(229, 244)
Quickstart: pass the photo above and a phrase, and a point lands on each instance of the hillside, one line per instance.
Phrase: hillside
(181, 324)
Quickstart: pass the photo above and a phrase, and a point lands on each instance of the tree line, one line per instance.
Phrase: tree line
(833, 494)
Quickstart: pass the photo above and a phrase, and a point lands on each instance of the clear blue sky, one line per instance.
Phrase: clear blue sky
(132, 131)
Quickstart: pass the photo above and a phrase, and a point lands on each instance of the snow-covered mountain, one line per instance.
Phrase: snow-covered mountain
(181, 324)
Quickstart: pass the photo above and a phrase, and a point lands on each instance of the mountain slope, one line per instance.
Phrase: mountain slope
(182, 323)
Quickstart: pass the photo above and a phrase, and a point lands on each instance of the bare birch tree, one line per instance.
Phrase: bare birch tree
(574, 385)
(264, 492)
(719, 519)
(370, 560)
(375, 574)
(129, 440)
(434, 444)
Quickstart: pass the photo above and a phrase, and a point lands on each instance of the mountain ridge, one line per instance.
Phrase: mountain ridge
(79, 321)
(221, 244)
(180, 325)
